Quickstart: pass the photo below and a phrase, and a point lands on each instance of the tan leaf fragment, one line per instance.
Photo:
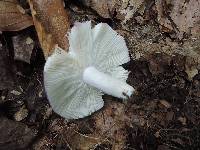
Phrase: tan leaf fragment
(51, 22)
(21, 114)
(12, 18)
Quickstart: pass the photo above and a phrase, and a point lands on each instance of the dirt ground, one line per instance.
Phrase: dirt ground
(164, 68)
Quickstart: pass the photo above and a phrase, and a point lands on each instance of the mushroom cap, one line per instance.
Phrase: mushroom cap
(100, 47)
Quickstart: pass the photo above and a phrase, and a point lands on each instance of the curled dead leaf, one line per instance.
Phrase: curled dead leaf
(51, 23)
(13, 16)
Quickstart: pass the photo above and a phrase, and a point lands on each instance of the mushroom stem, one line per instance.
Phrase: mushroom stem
(107, 83)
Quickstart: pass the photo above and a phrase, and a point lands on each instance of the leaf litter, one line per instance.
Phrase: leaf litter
(164, 69)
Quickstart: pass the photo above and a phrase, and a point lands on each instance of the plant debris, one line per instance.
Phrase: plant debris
(13, 17)
(52, 24)
(181, 17)
(163, 40)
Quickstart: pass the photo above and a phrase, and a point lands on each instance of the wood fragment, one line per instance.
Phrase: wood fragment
(51, 22)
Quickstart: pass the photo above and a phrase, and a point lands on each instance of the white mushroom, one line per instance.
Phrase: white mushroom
(74, 80)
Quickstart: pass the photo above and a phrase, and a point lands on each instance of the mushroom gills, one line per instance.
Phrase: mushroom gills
(107, 83)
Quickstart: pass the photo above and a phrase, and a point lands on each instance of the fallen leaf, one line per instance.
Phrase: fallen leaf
(185, 14)
(111, 123)
(108, 126)
(52, 24)
(180, 16)
(13, 16)
(71, 134)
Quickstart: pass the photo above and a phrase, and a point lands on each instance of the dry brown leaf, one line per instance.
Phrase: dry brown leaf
(106, 127)
(111, 123)
(180, 16)
(13, 16)
(71, 134)
(51, 22)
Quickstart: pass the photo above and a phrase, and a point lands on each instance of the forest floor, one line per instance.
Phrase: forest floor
(164, 68)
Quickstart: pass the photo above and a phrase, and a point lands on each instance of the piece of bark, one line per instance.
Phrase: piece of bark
(51, 22)
(13, 17)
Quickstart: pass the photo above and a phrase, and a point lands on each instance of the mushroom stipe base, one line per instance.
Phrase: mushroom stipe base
(107, 83)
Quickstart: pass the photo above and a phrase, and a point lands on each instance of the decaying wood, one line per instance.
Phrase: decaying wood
(51, 22)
